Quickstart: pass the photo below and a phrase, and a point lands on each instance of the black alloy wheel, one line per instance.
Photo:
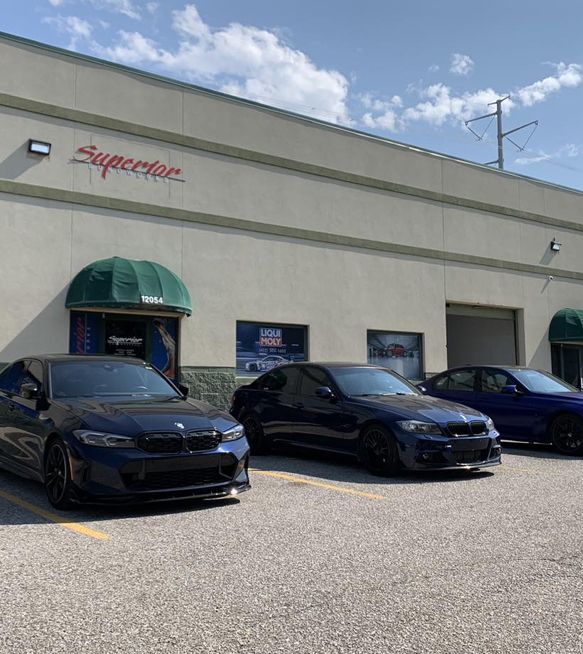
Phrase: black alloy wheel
(379, 451)
(255, 435)
(57, 476)
(567, 434)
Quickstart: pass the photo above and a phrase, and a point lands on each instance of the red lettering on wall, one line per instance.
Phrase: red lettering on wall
(92, 155)
(88, 150)
(113, 162)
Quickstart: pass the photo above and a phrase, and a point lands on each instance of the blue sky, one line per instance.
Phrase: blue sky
(413, 72)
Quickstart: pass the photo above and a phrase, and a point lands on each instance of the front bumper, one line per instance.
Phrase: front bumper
(131, 475)
(450, 453)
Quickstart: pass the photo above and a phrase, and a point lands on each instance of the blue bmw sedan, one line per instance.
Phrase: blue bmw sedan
(526, 404)
(96, 429)
(366, 411)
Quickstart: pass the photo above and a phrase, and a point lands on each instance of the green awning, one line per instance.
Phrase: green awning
(566, 325)
(127, 284)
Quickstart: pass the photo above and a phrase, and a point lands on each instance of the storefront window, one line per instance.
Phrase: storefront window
(264, 346)
(152, 338)
(397, 351)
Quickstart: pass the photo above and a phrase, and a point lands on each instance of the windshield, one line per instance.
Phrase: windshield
(543, 382)
(106, 378)
(372, 381)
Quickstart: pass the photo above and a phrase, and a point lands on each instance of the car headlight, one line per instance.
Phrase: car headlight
(419, 427)
(234, 433)
(100, 439)
(490, 425)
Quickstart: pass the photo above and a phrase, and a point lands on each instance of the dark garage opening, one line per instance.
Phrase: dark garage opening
(480, 335)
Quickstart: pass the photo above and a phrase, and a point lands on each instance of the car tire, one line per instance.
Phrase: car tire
(252, 367)
(258, 443)
(379, 451)
(566, 432)
(57, 476)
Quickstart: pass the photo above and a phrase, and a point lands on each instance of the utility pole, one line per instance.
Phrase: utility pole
(500, 134)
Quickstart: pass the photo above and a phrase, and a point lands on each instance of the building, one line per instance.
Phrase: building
(216, 237)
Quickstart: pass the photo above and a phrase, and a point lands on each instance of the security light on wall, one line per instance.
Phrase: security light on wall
(39, 147)
(555, 245)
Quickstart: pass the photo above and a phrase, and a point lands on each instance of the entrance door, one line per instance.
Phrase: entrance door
(149, 337)
(568, 363)
(126, 336)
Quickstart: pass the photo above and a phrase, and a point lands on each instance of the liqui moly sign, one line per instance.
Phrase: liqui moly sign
(120, 163)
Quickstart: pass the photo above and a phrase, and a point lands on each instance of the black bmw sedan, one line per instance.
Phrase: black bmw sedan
(367, 411)
(96, 429)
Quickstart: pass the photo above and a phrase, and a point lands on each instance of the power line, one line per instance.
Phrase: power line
(500, 134)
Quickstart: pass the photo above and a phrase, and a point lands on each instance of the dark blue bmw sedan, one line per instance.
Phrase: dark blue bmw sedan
(367, 411)
(526, 404)
(96, 429)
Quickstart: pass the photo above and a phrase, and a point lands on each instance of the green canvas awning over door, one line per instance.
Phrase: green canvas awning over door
(118, 283)
(566, 325)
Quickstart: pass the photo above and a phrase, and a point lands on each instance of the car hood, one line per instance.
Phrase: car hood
(420, 407)
(131, 417)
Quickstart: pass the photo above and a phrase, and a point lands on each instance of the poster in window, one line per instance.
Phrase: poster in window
(164, 345)
(399, 352)
(264, 346)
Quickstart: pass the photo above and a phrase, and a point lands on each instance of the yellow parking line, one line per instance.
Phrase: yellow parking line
(319, 484)
(53, 517)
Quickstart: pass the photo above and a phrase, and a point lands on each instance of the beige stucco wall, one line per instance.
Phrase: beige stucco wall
(338, 289)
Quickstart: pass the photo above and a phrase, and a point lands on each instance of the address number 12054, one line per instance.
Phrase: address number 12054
(152, 299)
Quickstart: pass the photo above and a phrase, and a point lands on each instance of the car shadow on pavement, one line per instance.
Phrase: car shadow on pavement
(331, 466)
(33, 493)
(536, 451)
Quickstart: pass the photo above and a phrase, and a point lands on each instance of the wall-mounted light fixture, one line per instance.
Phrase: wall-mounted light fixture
(555, 245)
(39, 147)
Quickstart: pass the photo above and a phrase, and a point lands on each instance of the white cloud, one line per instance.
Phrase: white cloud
(461, 64)
(76, 27)
(151, 7)
(125, 7)
(569, 150)
(434, 68)
(566, 76)
(441, 105)
(242, 60)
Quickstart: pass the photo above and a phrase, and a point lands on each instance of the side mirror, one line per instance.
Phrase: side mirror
(325, 392)
(183, 389)
(29, 391)
(510, 389)
(422, 389)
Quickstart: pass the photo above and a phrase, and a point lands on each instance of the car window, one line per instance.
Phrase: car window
(459, 380)
(493, 381)
(11, 377)
(441, 383)
(362, 381)
(280, 379)
(538, 381)
(313, 378)
(34, 373)
(106, 378)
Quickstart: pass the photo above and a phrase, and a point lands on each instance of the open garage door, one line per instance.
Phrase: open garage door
(480, 335)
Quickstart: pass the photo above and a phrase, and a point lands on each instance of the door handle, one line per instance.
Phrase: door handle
(299, 405)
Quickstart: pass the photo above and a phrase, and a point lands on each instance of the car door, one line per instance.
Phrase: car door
(457, 385)
(513, 414)
(25, 431)
(10, 380)
(321, 422)
(277, 406)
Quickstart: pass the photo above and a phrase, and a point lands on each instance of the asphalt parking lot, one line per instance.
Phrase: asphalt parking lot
(318, 557)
